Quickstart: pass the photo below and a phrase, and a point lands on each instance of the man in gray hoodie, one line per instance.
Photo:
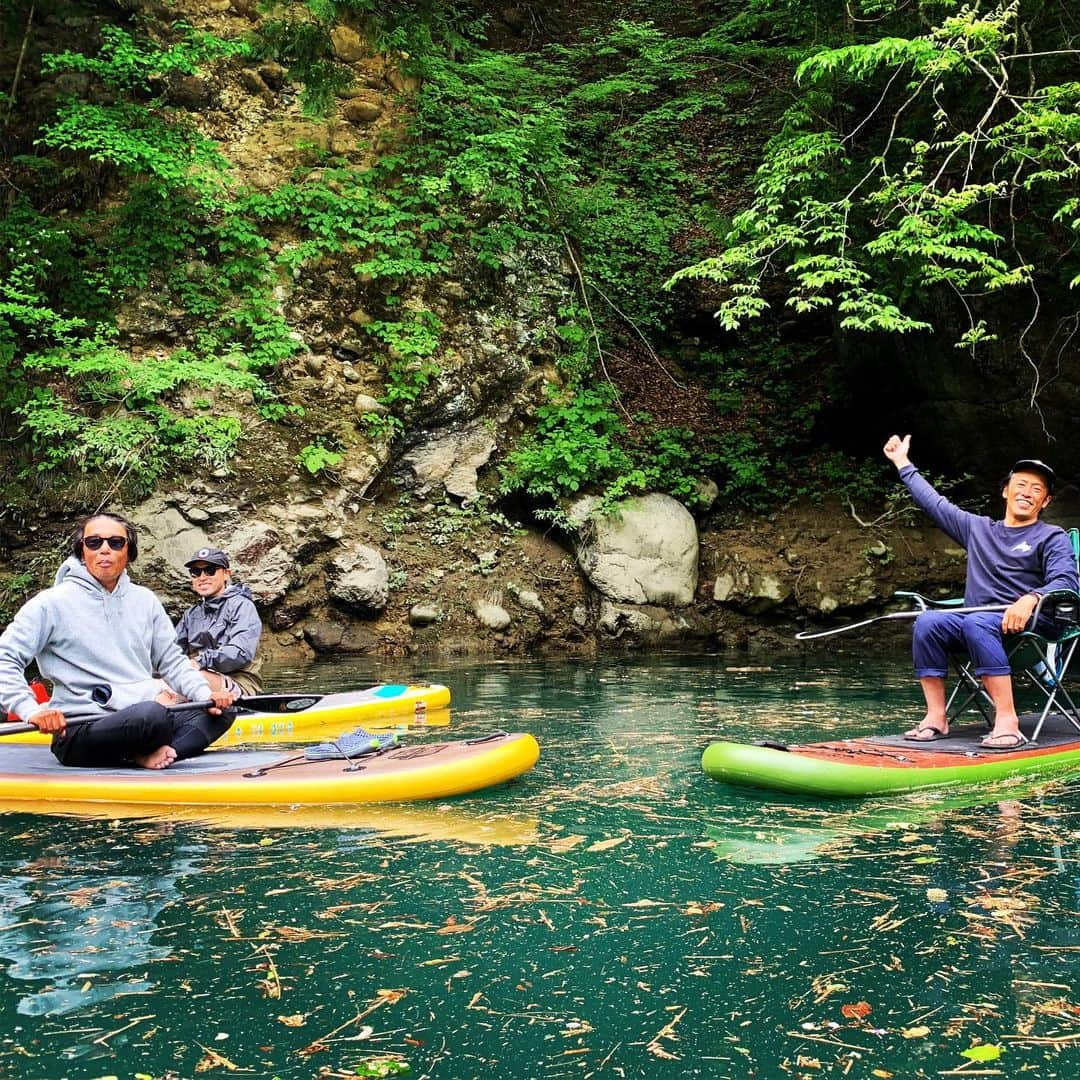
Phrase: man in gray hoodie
(106, 644)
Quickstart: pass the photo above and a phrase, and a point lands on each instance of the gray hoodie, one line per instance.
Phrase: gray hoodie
(85, 639)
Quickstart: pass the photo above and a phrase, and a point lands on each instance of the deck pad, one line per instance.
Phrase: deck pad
(1057, 731)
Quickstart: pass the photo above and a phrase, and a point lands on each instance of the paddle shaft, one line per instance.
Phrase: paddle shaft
(804, 636)
(284, 703)
(269, 703)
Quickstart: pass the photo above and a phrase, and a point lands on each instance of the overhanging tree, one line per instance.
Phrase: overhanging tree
(947, 160)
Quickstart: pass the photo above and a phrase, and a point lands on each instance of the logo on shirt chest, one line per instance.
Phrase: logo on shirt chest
(1023, 547)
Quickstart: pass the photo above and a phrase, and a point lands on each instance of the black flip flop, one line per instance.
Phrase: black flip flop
(1021, 742)
(938, 734)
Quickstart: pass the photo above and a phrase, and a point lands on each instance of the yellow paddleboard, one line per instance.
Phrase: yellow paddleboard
(381, 706)
(268, 778)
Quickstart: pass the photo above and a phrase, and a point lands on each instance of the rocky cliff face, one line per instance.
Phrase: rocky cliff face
(399, 544)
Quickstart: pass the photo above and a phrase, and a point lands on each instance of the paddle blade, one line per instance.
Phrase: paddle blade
(261, 703)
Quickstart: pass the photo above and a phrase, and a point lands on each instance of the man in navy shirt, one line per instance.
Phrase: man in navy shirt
(1011, 562)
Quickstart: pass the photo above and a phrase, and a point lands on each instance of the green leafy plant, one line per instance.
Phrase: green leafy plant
(316, 457)
(945, 179)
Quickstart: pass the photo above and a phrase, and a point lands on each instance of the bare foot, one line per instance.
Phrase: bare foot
(161, 758)
(928, 729)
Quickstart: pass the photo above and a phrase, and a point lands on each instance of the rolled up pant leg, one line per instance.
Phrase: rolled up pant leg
(115, 738)
(937, 634)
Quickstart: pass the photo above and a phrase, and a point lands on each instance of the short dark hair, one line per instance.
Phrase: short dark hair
(132, 535)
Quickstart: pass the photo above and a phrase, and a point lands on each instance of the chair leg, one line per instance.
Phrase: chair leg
(975, 695)
(1055, 660)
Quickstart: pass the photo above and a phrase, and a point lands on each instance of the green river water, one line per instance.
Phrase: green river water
(613, 913)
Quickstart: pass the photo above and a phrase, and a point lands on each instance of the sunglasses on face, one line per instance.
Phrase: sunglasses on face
(209, 571)
(117, 543)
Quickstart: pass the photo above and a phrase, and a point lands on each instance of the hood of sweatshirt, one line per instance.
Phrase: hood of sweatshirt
(74, 572)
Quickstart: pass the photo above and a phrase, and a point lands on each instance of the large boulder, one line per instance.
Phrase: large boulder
(644, 552)
(359, 581)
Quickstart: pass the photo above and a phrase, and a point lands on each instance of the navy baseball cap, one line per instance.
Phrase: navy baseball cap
(1036, 466)
(212, 556)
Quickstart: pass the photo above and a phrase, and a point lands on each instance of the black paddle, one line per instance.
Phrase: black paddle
(269, 703)
(914, 614)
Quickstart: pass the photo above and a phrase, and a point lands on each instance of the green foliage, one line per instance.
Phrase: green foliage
(305, 49)
(159, 150)
(317, 457)
(81, 401)
(574, 445)
(912, 166)
(126, 63)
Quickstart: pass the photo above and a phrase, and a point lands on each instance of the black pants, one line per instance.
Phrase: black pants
(119, 738)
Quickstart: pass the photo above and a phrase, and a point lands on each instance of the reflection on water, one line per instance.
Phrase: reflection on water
(621, 916)
(83, 934)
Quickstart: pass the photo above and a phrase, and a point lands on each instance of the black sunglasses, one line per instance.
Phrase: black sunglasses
(117, 543)
(209, 571)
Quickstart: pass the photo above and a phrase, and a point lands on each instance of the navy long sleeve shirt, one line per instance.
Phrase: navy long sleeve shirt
(1003, 562)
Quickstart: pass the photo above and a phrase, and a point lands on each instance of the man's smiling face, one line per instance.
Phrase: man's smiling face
(1026, 495)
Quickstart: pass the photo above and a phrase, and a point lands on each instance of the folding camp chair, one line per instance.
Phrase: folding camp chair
(1040, 656)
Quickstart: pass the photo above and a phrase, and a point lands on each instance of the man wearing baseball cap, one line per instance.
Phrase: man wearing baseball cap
(1012, 563)
(220, 634)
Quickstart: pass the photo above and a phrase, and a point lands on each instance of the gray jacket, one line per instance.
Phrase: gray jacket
(101, 650)
(222, 632)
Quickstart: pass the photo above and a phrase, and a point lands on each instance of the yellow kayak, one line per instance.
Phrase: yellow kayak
(267, 778)
(386, 705)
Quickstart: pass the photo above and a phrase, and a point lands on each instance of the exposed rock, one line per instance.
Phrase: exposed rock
(362, 110)
(647, 624)
(365, 404)
(645, 552)
(260, 561)
(190, 92)
(706, 492)
(400, 82)
(273, 74)
(423, 614)
(358, 580)
(491, 615)
(330, 636)
(166, 540)
(348, 45)
(144, 317)
(451, 459)
(753, 590)
(529, 600)
(254, 83)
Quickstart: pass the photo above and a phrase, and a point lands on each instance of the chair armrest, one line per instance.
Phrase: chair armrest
(924, 603)
(1059, 612)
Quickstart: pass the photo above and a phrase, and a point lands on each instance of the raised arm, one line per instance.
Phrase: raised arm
(896, 450)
